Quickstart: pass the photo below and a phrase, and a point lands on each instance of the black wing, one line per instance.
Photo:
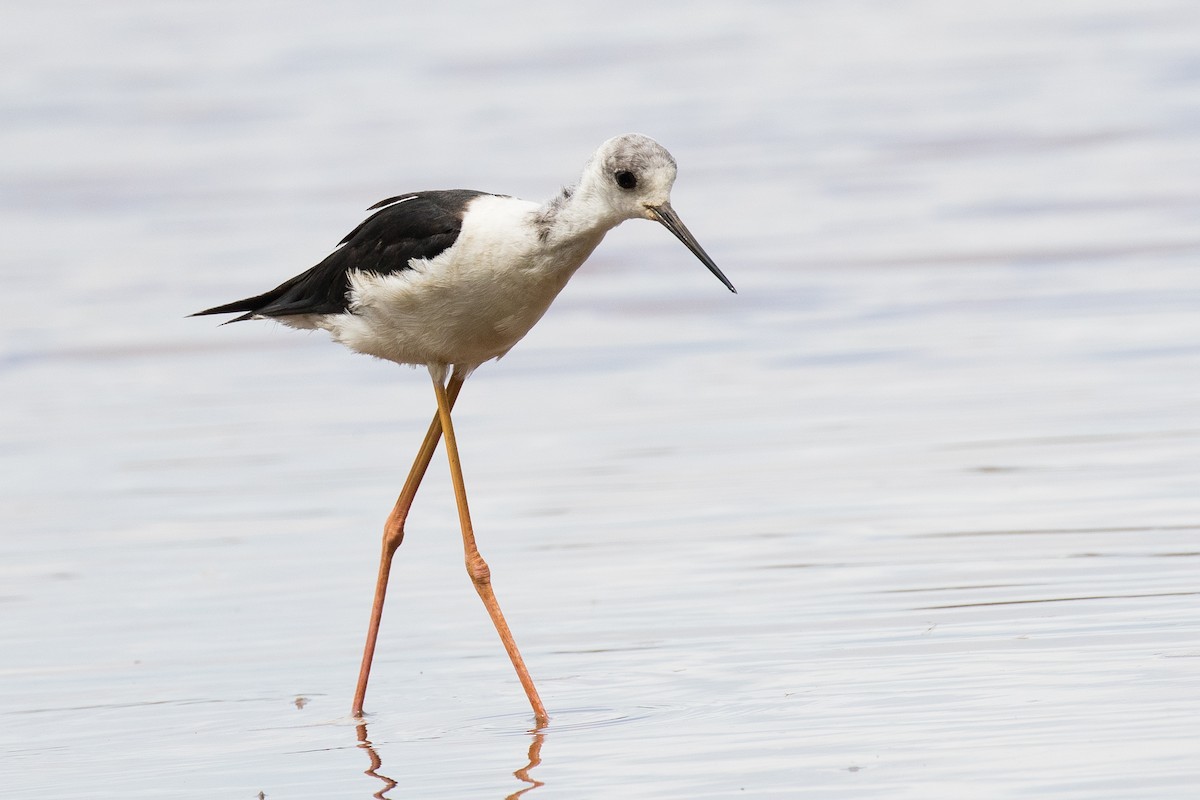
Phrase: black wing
(408, 226)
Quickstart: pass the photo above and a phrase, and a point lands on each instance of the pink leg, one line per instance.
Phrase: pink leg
(477, 568)
(393, 535)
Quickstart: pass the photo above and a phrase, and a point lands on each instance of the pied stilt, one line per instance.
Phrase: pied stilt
(451, 279)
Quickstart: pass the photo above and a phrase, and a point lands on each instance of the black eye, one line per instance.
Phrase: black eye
(626, 179)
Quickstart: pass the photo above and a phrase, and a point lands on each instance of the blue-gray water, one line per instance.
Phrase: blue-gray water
(915, 514)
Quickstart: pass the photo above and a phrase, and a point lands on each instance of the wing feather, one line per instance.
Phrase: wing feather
(406, 227)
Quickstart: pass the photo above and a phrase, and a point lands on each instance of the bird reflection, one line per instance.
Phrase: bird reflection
(533, 756)
(376, 763)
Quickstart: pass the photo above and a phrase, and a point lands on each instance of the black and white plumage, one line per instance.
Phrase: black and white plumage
(385, 242)
(457, 277)
(451, 279)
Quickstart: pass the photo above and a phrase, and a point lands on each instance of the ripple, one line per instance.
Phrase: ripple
(567, 719)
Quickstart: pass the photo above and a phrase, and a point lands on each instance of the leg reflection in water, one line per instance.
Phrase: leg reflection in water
(534, 756)
(376, 763)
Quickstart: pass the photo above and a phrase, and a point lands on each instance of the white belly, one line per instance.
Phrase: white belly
(468, 305)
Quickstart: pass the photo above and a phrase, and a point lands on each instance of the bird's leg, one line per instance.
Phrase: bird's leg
(477, 568)
(393, 535)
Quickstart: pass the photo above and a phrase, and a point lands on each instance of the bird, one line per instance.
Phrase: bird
(450, 280)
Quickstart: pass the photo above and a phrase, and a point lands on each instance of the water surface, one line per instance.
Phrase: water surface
(915, 513)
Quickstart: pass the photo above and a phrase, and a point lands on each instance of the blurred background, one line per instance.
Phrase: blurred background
(915, 512)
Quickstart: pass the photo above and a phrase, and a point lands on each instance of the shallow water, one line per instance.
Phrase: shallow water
(914, 513)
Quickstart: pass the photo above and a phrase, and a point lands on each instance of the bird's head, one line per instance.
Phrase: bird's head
(633, 175)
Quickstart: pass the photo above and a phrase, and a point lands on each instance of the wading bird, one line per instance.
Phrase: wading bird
(450, 279)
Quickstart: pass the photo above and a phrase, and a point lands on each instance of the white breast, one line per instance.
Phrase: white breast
(471, 303)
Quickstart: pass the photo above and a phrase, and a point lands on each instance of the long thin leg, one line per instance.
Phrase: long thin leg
(393, 535)
(477, 568)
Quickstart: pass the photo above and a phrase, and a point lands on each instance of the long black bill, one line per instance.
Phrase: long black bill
(667, 216)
